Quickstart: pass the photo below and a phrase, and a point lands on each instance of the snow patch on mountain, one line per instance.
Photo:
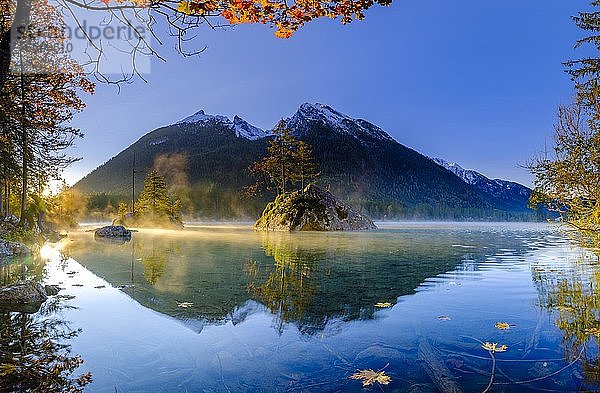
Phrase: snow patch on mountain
(468, 176)
(239, 126)
(243, 129)
(474, 178)
(201, 116)
(359, 128)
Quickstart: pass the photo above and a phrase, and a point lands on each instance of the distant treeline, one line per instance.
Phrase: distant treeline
(211, 203)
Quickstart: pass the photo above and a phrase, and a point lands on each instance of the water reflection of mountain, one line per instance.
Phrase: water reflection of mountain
(305, 279)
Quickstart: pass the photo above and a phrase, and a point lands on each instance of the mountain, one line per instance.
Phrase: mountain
(505, 195)
(359, 162)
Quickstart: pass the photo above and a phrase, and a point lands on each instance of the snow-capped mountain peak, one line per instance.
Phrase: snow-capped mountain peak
(201, 116)
(340, 122)
(468, 176)
(239, 126)
(323, 112)
(495, 187)
(243, 129)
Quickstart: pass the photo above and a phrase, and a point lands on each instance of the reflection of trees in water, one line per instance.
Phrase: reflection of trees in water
(22, 268)
(313, 280)
(155, 264)
(34, 354)
(573, 294)
(290, 288)
(154, 257)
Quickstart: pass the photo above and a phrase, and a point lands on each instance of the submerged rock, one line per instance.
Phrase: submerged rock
(52, 290)
(312, 209)
(13, 249)
(113, 231)
(22, 296)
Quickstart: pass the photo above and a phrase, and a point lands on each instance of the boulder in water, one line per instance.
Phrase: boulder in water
(22, 296)
(113, 232)
(312, 209)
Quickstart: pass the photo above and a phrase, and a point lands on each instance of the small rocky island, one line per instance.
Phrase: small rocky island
(312, 209)
(113, 232)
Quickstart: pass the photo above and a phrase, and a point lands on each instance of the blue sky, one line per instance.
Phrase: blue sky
(476, 82)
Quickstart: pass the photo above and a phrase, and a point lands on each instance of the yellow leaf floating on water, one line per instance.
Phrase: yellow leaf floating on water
(185, 305)
(6, 369)
(369, 377)
(383, 305)
(593, 331)
(493, 348)
(502, 325)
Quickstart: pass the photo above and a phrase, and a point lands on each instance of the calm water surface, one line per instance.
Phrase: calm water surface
(296, 312)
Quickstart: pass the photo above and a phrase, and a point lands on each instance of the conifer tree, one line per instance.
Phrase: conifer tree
(155, 199)
(288, 162)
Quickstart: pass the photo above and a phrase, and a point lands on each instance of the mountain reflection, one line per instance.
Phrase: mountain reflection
(305, 279)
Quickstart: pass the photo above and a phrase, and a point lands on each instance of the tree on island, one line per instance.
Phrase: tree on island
(155, 204)
(288, 163)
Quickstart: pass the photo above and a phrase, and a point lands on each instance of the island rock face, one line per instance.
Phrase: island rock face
(13, 249)
(113, 232)
(312, 209)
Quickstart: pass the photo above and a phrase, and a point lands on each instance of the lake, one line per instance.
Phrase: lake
(221, 308)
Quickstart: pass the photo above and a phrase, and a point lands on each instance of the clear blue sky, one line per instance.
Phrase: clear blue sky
(471, 81)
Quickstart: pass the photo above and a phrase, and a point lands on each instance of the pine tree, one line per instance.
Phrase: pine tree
(155, 199)
(288, 162)
(305, 164)
(585, 72)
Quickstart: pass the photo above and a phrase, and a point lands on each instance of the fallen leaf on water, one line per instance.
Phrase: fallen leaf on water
(6, 369)
(503, 325)
(493, 348)
(383, 305)
(185, 305)
(369, 377)
(593, 331)
(565, 308)
(443, 318)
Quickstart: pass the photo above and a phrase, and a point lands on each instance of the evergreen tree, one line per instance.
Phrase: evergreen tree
(155, 199)
(289, 162)
(585, 72)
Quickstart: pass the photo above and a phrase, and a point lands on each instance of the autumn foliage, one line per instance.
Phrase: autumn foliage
(286, 18)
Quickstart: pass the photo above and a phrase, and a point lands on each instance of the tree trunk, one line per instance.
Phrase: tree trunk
(24, 151)
(2, 196)
(19, 25)
(7, 198)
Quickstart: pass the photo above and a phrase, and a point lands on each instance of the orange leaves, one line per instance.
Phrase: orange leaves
(197, 8)
(283, 32)
(285, 18)
(184, 7)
